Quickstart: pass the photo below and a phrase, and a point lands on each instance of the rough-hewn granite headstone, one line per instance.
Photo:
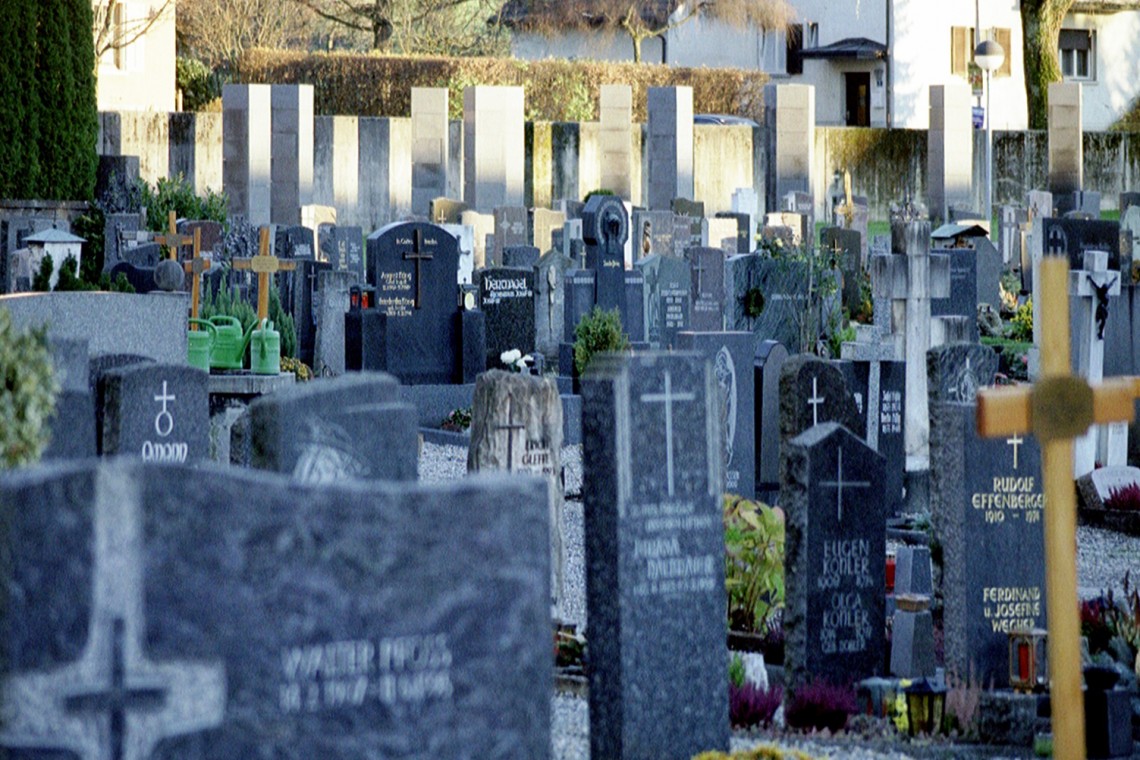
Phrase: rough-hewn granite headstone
(506, 297)
(332, 429)
(986, 505)
(812, 391)
(654, 557)
(217, 613)
(732, 355)
(516, 425)
(835, 550)
(956, 371)
(159, 412)
(880, 395)
(1096, 487)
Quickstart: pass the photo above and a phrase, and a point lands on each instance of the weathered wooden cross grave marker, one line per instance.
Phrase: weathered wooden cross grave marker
(172, 240)
(265, 264)
(195, 267)
(1057, 409)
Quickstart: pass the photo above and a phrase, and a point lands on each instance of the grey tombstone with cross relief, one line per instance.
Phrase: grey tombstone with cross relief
(844, 246)
(834, 621)
(655, 556)
(706, 266)
(158, 412)
(516, 426)
(310, 622)
(813, 391)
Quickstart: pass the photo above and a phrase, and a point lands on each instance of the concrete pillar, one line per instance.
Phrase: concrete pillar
(431, 137)
(950, 149)
(493, 147)
(246, 151)
(670, 149)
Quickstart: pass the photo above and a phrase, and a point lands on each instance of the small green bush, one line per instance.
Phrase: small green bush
(599, 332)
(199, 85)
(1021, 326)
(178, 195)
(753, 563)
(28, 388)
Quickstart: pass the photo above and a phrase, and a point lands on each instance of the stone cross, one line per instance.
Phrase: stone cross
(416, 256)
(195, 267)
(1057, 409)
(113, 703)
(1092, 287)
(265, 264)
(910, 281)
(668, 397)
(839, 483)
(172, 240)
(510, 427)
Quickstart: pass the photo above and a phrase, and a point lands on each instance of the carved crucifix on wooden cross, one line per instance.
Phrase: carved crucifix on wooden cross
(1057, 409)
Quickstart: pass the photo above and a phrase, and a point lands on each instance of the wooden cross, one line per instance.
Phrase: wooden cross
(1057, 409)
(172, 240)
(195, 267)
(264, 264)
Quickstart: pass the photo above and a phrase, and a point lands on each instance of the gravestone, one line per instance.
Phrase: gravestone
(813, 391)
(72, 423)
(510, 230)
(655, 542)
(313, 621)
(688, 218)
(767, 366)
(446, 210)
(962, 300)
(306, 304)
(707, 271)
(1073, 237)
(550, 301)
(835, 618)
(120, 232)
(515, 256)
(669, 145)
(789, 127)
(667, 297)
(516, 425)
(332, 429)
(465, 236)
(1010, 220)
(720, 233)
(745, 201)
(1091, 286)
(844, 245)
(766, 297)
(413, 268)
(605, 228)
(159, 412)
(343, 247)
(292, 242)
(1098, 486)
(652, 232)
(956, 371)
(329, 342)
(745, 237)
(732, 355)
(986, 505)
(506, 297)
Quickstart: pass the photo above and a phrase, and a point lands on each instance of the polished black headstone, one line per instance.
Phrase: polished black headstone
(963, 298)
(667, 297)
(159, 412)
(506, 298)
(605, 228)
(707, 268)
(1072, 237)
(767, 366)
(343, 247)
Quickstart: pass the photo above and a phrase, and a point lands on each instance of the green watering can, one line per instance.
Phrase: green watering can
(265, 350)
(229, 344)
(200, 344)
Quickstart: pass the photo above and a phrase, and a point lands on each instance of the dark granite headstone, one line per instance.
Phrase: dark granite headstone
(217, 613)
(1083, 202)
(667, 297)
(212, 234)
(159, 412)
(414, 267)
(963, 298)
(986, 505)
(633, 319)
(550, 301)
(834, 621)
(294, 242)
(578, 297)
(142, 255)
(605, 228)
(767, 366)
(343, 247)
(73, 421)
(655, 547)
(890, 418)
(140, 278)
(732, 355)
(506, 297)
(520, 256)
(242, 239)
(354, 426)
(653, 233)
(813, 391)
(955, 371)
(768, 297)
(707, 268)
(305, 305)
(845, 246)
(120, 231)
(1072, 237)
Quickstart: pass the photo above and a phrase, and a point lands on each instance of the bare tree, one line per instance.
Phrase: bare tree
(219, 31)
(433, 26)
(643, 19)
(113, 31)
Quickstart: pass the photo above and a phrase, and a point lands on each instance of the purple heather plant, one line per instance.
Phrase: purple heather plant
(821, 705)
(749, 705)
(1126, 498)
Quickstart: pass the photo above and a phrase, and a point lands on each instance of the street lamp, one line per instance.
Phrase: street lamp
(989, 56)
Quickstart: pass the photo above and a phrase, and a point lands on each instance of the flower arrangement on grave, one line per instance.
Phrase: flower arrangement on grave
(749, 705)
(1112, 626)
(759, 752)
(457, 420)
(515, 361)
(28, 389)
(598, 332)
(754, 564)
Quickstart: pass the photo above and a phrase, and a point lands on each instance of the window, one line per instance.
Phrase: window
(774, 53)
(800, 36)
(962, 49)
(1075, 51)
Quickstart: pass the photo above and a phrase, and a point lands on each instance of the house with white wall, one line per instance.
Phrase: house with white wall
(872, 61)
(138, 73)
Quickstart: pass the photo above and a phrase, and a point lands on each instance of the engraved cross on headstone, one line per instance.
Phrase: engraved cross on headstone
(839, 484)
(416, 255)
(815, 401)
(668, 397)
(1015, 441)
(875, 350)
(113, 703)
(510, 427)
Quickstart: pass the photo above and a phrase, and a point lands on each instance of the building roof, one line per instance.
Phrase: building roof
(52, 235)
(859, 48)
(951, 231)
(521, 14)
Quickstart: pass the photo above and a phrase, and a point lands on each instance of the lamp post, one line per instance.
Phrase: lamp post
(989, 56)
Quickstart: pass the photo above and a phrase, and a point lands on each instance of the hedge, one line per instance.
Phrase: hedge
(556, 90)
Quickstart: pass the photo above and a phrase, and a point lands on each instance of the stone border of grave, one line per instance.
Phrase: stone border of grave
(1117, 520)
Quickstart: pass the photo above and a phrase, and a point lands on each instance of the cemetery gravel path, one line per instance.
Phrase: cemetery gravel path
(1103, 558)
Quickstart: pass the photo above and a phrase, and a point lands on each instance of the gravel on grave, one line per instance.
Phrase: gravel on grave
(1103, 558)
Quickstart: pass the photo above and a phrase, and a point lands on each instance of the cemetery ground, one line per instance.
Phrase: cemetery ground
(1104, 558)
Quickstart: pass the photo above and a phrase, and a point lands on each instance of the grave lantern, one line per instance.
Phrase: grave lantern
(1028, 669)
(892, 562)
(925, 702)
(354, 298)
(876, 696)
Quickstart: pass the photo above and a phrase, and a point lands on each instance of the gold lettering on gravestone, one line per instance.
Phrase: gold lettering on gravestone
(388, 296)
(1010, 608)
(1010, 497)
(399, 670)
